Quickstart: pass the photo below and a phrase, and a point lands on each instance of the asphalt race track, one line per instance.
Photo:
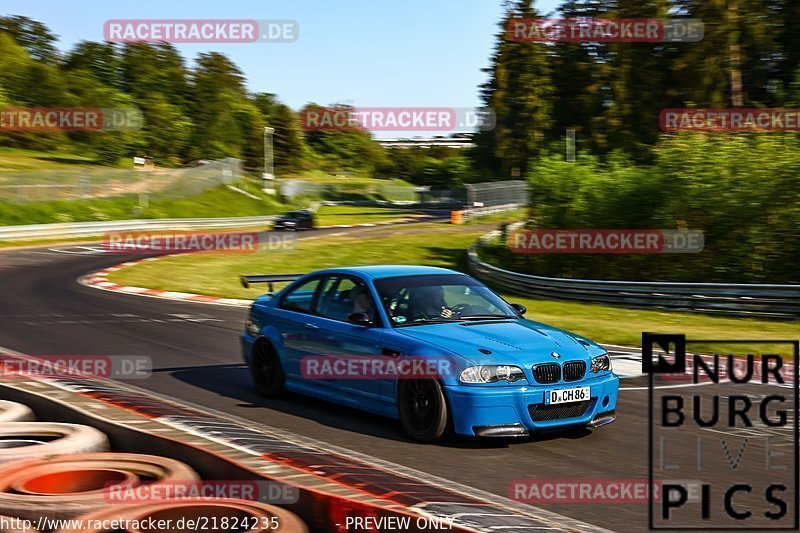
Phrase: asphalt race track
(195, 351)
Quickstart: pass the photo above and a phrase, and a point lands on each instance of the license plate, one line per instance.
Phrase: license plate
(578, 394)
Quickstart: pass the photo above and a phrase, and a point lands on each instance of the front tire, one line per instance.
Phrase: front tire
(423, 409)
(267, 371)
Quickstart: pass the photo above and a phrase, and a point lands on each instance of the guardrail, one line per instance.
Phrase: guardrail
(734, 299)
(88, 229)
(477, 212)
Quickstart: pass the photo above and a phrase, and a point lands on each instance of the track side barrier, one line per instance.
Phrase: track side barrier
(751, 300)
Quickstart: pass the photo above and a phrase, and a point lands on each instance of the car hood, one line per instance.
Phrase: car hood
(511, 342)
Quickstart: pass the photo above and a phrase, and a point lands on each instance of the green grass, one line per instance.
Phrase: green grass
(436, 245)
(18, 159)
(430, 244)
(353, 186)
(319, 176)
(30, 243)
(513, 216)
(330, 215)
(217, 202)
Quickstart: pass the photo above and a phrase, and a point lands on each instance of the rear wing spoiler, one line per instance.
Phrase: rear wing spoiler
(248, 280)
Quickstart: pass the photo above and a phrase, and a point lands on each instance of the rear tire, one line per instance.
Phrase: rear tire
(267, 371)
(423, 409)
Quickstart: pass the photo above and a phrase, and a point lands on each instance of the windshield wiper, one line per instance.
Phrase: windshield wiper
(485, 317)
(433, 320)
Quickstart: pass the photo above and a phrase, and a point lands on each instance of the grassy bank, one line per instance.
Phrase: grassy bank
(331, 215)
(18, 159)
(217, 202)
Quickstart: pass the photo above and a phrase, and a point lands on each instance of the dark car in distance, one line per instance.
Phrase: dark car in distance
(294, 221)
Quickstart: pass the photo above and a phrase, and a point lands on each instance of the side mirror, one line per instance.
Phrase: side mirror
(359, 319)
(521, 309)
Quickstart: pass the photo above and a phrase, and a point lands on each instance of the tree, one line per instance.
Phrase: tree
(634, 80)
(291, 149)
(220, 109)
(348, 148)
(33, 36)
(520, 93)
(99, 60)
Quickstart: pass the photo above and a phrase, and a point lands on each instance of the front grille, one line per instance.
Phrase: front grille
(547, 373)
(541, 413)
(574, 370)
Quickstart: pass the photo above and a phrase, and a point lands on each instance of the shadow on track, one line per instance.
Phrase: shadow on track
(234, 381)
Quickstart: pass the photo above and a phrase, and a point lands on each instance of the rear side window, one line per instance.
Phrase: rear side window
(346, 297)
(301, 298)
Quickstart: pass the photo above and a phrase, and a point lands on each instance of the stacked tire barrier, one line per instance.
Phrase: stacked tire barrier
(27, 440)
(14, 412)
(66, 486)
(51, 473)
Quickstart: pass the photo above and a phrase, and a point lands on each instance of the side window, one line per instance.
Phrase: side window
(346, 297)
(301, 298)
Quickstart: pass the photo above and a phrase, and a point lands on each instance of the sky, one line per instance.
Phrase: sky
(378, 53)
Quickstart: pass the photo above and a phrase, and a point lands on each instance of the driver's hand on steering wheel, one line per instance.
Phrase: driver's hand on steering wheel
(446, 313)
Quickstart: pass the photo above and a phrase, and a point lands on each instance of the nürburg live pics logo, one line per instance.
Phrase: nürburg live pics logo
(723, 420)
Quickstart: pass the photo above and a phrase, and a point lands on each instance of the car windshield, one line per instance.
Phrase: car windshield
(425, 299)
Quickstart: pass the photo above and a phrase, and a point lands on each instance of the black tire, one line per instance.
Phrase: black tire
(267, 371)
(423, 409)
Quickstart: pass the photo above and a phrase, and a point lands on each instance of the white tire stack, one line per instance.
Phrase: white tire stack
(34, 440)
(15, 412)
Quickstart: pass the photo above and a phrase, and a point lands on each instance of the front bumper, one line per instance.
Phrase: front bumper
(513, 411)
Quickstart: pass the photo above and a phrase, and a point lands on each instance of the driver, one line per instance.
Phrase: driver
(428, 302)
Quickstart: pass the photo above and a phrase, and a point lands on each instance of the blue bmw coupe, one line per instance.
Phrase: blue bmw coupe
(432, 347)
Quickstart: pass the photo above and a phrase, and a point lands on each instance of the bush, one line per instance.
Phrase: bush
(742, 191)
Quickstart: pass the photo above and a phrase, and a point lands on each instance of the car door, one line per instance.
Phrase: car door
(306, 220)
(299, 323)
(343, 339)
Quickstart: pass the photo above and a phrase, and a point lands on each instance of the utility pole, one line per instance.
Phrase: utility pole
(268, 176)
(570, 145)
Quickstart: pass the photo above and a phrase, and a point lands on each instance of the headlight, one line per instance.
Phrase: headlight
(491, 374)
(252, 327)
(602, 362)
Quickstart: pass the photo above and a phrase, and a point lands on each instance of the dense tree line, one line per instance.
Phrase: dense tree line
(742, 190)
(189, 113)
(612, 93)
